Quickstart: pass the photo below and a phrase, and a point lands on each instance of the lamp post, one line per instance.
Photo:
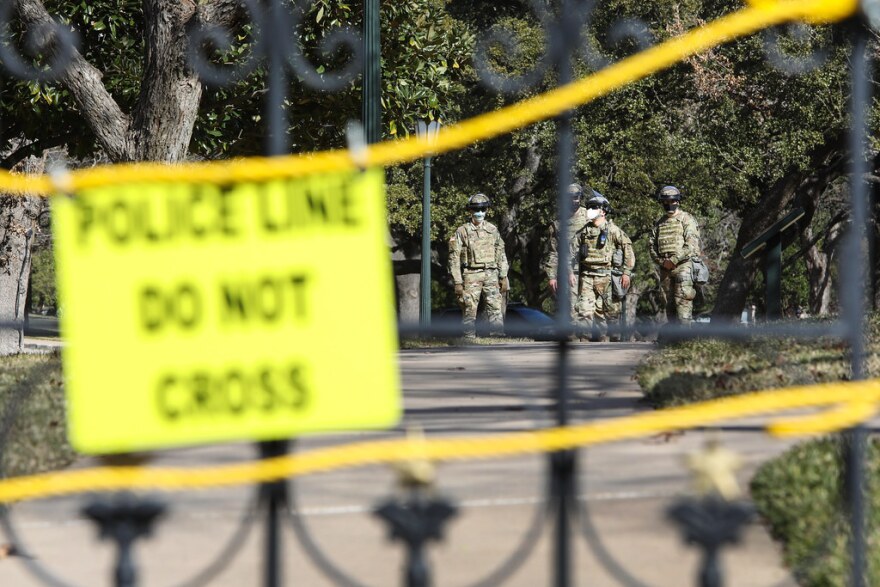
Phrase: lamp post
(371, 105)
(426, 131)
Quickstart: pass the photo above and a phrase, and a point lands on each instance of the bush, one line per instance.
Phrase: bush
(801, 497)
(800, 494)
(700, 370)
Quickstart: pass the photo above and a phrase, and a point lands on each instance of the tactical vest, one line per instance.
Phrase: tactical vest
(481, 246)
(670, 237)
(596, 257)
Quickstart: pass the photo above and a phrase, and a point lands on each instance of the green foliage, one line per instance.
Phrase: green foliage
(422, 52)
(109, 41)
(800, 495)
(42, 280)
(723, 125)
(37, 439)
(701, 370)
(423, 49)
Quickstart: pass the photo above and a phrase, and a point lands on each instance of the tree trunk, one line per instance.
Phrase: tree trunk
(171, 91)
(874, 253)
(819, 263)
(525, 247)
(407, 261)
(161, 125)
(798, 187)
(19, 216)
(159, 128)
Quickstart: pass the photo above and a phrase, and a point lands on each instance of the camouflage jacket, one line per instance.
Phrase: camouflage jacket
(476, 248)
(576, 223)
(676, 238)
(593, 257)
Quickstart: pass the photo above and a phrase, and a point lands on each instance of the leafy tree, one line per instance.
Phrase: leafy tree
(130, 93)
(743, 139)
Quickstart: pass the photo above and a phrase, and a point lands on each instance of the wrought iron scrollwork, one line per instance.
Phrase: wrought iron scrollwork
(785, 62)
(563, 33)
(272, 38)
(204, 40)
(55, 38)
(622, 30)
(337, 42)
(506, 40)
(558, 38)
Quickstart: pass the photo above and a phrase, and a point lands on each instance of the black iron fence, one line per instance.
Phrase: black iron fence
(418, 517)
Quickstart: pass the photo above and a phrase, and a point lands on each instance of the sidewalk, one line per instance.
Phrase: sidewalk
(447, 392)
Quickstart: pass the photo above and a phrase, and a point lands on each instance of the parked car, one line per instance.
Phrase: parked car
(518, 314)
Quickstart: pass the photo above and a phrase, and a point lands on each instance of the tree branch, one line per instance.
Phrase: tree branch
(228, 14)
(171, 92)
(35, 148)
(84, 82)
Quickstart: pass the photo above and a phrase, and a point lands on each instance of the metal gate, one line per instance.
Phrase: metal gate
(417, 517)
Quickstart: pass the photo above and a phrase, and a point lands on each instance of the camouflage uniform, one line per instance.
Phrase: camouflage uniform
(595, 305)
(478, 261)
(615, 306)
(676, 238)
(576, 224)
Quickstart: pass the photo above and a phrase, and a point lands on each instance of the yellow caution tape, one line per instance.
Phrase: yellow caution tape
(853, 397)
(762, 14)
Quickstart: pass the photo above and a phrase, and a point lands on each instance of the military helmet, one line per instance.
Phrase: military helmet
(478, 202)
(597, 200)
(669, 192)
(576, 191)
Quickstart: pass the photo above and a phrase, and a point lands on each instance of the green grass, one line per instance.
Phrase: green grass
(701, 370)
(32, 405)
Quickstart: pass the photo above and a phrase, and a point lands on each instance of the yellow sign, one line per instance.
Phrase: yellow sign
(196, 313)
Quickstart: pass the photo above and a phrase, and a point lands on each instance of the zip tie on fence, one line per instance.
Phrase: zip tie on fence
(761, 14)
(856, 395)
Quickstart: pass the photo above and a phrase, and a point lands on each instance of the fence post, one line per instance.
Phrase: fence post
(417, 519)
(273, 495)
(124, 518)
(853, 289)
(711, 523)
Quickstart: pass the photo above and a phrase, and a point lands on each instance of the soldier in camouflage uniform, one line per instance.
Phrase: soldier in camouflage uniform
(478, 265)
(595, 249)
(576, 223)
(675, 240)
(624, 275)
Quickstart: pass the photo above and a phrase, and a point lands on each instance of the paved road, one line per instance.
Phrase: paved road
(624, 487)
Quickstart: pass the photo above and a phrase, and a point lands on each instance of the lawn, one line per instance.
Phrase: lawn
(32, 415)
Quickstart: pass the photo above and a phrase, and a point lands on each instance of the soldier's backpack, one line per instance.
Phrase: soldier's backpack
(618, 292)
(700, 271)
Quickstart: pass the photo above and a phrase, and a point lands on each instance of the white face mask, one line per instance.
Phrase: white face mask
(593, 213)
(479, 216)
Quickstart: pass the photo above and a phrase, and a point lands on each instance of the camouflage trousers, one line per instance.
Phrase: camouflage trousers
(612, 316)
(483, 282)
(595, 305)
(678, 291)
